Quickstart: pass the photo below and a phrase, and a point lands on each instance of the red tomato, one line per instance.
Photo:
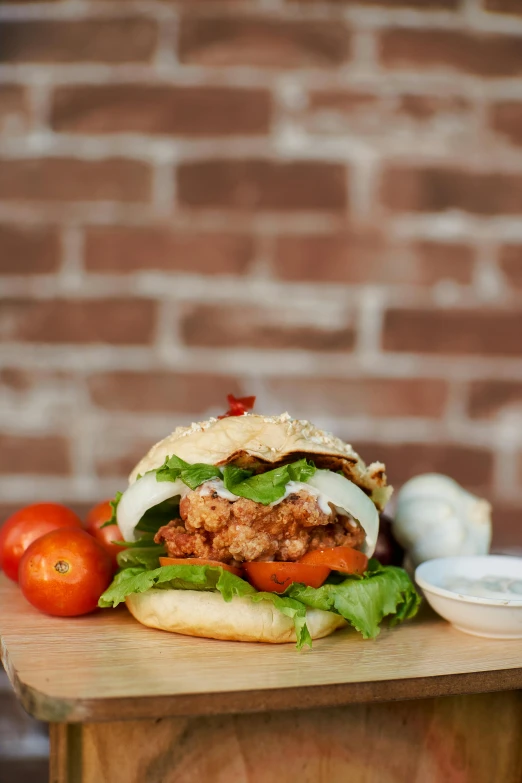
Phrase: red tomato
(339, 558)
(166, 561)
(25, 526)
(276, 577)
(105, 536)
(64, 573)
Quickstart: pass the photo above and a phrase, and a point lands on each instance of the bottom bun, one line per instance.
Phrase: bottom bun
(196, 613)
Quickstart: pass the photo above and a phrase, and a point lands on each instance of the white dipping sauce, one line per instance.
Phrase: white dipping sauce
(217, 486)
(491, 586)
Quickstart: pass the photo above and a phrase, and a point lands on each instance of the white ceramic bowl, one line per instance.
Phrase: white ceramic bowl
(449, 583)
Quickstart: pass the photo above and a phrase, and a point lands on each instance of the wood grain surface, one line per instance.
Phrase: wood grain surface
(460, 739)
(108, 667)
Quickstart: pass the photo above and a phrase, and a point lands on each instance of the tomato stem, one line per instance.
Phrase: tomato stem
(61, 566)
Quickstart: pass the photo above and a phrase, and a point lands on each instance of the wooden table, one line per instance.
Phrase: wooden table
(135, 705)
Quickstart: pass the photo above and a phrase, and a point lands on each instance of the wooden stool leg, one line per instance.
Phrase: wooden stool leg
(65, 763)
(457, 739)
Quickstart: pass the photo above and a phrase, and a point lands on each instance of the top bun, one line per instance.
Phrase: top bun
(259, 442)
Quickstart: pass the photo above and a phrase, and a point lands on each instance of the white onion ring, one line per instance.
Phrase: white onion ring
(348, 496)
(145, 493)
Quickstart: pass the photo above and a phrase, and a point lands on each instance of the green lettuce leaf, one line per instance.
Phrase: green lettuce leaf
(159, 515)
(293, 609)
(146, 556)
(192, 475)
(192, 577)
(147, 539)
(267, 487)
(364, 601)
(181, 577)
(114, 506)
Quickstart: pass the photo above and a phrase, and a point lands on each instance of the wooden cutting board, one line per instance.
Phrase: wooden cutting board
(106, 666)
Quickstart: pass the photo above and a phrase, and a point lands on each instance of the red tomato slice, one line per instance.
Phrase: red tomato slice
(339, 558)
(276, 577)
(166, 561)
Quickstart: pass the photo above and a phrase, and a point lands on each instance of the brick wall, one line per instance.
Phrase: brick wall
(318, 203)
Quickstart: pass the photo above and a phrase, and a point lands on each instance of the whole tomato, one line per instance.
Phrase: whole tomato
(25, 526)
(105, 536)
(64, 573)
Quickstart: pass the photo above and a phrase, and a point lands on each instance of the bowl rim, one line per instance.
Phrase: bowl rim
(452, 595)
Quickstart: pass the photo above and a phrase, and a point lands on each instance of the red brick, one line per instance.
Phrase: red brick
(161, 392)
(419, 4)
(364, 257)
(471, 467)
(507, 530)
(437, 261)
(481, 54)
(425, 107)
(375, 397)
(341, 100)
(423, 189)
(234, 326)
(262, 185)
(510, 260)
(29, 454)
(15, 379)
(177, 111)
(116, 321)
(22, 381)
(131, 249)
(29, 250)
(89, 40)
(15, 115)
(118, 453)
(503, 6)
(506, 118)
(491, 397)
(262, 42)
(69, 179)
(337, 111)
(359, 112)
(454, 332)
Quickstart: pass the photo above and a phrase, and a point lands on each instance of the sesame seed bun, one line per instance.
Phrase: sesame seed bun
(264, 442)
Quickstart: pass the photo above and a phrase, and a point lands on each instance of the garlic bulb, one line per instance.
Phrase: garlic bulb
(436, 517)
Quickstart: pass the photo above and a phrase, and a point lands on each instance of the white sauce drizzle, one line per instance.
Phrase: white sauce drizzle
(499, 587)
(217, 486)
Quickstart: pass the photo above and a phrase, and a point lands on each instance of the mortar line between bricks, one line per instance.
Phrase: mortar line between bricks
(230, 290)
(489, 435)
(82, 11)
(389, 429)
(378, 18)
(444, 227)
(304, 148)
(436, 81)
(273, 363)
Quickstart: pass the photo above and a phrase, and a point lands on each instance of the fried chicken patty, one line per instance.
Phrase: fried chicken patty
(243, 530)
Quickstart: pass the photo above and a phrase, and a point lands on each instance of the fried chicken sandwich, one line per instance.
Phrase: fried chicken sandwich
(256, 528)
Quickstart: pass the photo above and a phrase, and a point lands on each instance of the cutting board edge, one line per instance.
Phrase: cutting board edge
(48, 708)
